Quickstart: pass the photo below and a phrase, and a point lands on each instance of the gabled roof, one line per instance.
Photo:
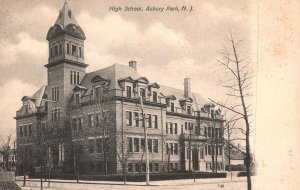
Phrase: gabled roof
(112, 73)
(198, 100)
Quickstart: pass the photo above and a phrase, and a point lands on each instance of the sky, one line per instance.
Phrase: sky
(168, 46)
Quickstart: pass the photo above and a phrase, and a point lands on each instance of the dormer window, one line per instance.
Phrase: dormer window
(76, 98)
(26, 109)
(74, 50)
(143, 93)
(128, 91)
(212, 114)
(189, 110)
(172, 107)
(98, 92)
(154, 94)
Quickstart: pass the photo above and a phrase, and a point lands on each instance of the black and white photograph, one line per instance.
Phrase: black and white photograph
(147, 94)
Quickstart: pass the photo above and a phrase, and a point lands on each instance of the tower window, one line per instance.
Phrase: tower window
(60, 48)
(74, 50)
(68, 48)
(80, 51)
(56, 50)
(55, 114)
(55, 93)
(74, 77)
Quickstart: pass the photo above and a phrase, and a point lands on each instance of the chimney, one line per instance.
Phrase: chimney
(133, 64)
(187, 87)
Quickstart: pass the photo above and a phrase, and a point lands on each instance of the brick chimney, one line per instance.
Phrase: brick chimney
(133, 64)
(187, 87)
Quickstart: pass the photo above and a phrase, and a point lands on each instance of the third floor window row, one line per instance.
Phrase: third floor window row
(142, 92)
(74, 77)
(68, 48)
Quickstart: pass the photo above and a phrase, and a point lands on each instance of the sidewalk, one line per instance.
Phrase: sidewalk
(181, 182)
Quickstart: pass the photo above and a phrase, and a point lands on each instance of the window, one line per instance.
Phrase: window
(154, 96)
(68, 48)
(205, 131)
(129, 140)
(189, 110)
(61, 152)
(175, 148)
(201, 154)
(149, 121)
(21, 131)
(60, 49)
(154, 120)
(172, 107)
(29, 129)
(99, 145)
(97, 117)
(26, 109)
(130, 168)
(128, 91)
(181, 129)
(209, 131)
(136, 119)
(55, 114)
(143, 93)
(149, 145)
(55, 93)
(208, 149)
(80, 123)
(187, 154)
(150, 167)
(74, 77)
(143, 167)
(156, 167)
(51, 52)
(136, 144)
(91, 120)
(71, 78)
(155, 145)
(76, 99)
(171, 148)
(56, 50)
(128, 118)
(98, 93)
(91, 145)
(220, 150)
(137, 167)
(74, 124)
(143, 144)
(80, 51)
(167, 131)
(212, 114)
(175, 128)
(74, 50)
(176, 166)
(171, 128)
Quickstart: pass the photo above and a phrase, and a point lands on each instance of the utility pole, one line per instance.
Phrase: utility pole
(146, 142)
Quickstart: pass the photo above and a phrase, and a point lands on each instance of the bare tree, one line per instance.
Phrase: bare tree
(5, 148)
(123, 153)
(238, 88)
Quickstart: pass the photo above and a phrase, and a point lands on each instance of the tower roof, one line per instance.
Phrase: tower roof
(65, 24)
(65, 17)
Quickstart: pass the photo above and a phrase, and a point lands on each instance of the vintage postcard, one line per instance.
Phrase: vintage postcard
(148, 94)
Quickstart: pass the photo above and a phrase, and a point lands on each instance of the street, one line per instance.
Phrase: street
(207, 184)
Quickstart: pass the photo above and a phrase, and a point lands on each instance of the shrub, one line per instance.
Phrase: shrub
(133, 177)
